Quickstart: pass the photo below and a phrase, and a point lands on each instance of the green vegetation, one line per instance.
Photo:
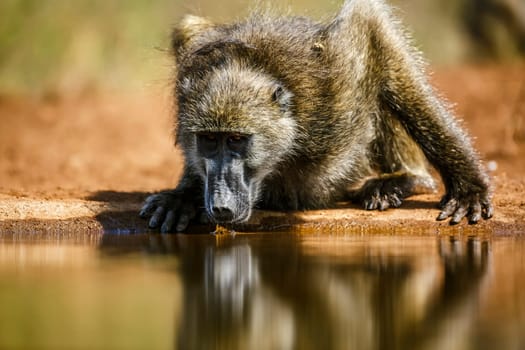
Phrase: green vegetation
(64, 45)
(60, 44)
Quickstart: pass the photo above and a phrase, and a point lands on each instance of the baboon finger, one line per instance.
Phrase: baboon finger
(167, 225)
(187, 213)
(488, 211)
(383, 203)
(448, 209)
(459, 214)
(371, 204)
(146, 210)
(475, 213)
(157, 217)
(394, 200)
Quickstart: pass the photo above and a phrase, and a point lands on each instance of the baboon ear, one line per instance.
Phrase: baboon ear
(282, 96)
(189, 27)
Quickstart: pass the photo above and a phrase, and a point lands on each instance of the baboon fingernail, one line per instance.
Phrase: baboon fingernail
(442, 216)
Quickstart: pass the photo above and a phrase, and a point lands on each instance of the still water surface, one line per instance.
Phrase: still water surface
(262, 291)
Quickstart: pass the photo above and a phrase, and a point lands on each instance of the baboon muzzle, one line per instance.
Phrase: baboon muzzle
(226, 196)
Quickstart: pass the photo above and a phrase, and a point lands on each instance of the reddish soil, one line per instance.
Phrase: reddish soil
(86, 162)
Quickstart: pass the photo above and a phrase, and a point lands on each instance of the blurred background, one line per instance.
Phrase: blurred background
(62, 45)
(86, 119)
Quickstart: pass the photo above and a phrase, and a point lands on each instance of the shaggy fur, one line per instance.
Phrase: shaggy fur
(333, 110)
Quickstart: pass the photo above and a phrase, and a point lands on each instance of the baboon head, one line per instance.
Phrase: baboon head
(234, 125)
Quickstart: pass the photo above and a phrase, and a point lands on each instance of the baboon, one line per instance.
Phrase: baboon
(286, 113)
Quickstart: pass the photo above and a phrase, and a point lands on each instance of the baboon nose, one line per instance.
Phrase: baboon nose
(222, 214)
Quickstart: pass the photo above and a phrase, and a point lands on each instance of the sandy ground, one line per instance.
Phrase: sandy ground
(86, 162)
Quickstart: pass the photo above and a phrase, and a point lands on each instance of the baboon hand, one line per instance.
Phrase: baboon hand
(376, 197)
(472, 205)
(385, 192)
(170, 210)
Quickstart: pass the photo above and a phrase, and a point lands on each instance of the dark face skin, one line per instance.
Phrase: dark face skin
(228, 191)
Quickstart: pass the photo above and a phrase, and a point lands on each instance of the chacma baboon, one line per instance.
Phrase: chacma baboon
(286, 113)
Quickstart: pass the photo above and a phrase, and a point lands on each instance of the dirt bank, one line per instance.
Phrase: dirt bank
(85, 162)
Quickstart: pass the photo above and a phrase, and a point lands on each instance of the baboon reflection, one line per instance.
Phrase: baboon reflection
(254, 294)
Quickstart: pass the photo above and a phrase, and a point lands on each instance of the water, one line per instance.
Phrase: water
(262, 291)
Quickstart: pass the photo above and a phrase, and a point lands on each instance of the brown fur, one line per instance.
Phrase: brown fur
(328, 110)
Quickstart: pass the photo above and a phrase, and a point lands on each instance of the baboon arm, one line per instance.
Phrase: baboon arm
(430, 123)
(394, 71)
(426, 118)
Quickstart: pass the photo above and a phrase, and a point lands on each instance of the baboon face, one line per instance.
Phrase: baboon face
(228, 187)
(235, 126)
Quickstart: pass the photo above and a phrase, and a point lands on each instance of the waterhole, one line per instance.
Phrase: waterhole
(277, 290)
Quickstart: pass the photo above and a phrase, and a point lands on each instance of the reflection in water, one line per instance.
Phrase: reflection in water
(228, 306)
(280, 291)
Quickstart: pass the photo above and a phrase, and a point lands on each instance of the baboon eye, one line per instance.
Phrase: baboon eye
(208, 137)
(235, 138)
(236, 142)
(207, 142)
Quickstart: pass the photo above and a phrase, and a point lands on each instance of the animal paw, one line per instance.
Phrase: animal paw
(381, 201)
(171, 210)
(387, 192)
(474, 206)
